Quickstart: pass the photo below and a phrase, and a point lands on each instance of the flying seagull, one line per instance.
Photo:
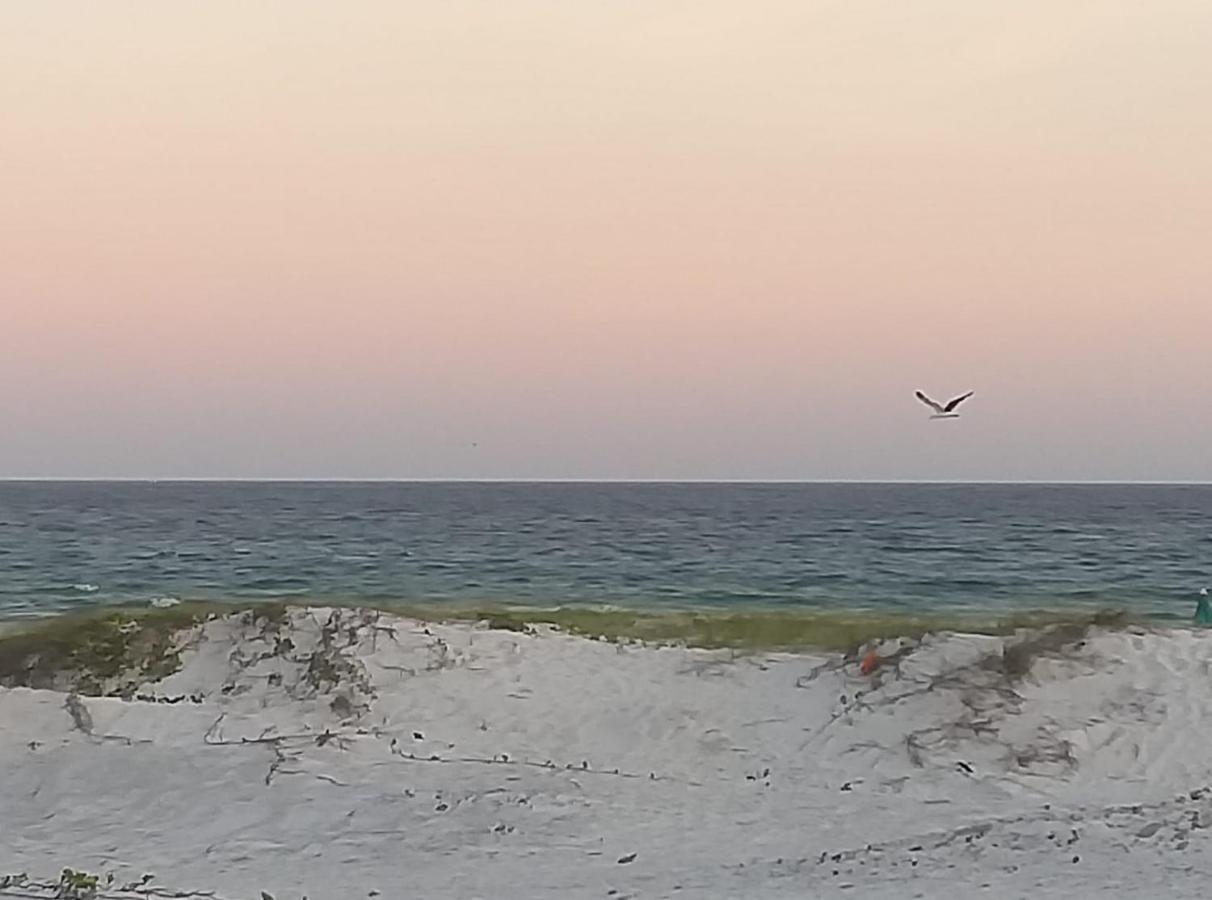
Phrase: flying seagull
(940, 411)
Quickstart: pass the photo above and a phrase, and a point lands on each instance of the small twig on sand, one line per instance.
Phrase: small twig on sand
(81, 718)
(25, 887)
(82, 721)
(545, 766)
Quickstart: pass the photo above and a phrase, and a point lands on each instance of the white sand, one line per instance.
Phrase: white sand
(749, 777)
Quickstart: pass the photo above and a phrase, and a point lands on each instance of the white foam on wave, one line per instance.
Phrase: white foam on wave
(86, 588)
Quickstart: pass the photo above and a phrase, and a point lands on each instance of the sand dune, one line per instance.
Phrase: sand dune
(336, 753)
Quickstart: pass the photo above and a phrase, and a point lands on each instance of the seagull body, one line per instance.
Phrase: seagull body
(941, 411)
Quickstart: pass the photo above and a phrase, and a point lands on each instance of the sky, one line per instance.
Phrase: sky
(574, 239)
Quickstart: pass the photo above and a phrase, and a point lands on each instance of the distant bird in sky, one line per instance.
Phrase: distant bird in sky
(940, 411)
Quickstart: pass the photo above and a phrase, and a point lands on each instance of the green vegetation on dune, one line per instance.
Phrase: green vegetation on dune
(108, 651)
(113, 651)
(753, 630)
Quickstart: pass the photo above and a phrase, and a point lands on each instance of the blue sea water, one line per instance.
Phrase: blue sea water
(897, 547)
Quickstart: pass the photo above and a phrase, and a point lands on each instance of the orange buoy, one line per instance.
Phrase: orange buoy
(870, 662)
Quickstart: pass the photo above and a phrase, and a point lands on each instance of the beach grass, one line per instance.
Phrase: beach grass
(113, 649)
(88, 651)
(759, 629)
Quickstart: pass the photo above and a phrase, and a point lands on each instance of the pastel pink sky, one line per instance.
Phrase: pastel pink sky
(619, 239)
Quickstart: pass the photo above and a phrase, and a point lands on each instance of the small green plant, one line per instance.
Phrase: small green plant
(75, 885)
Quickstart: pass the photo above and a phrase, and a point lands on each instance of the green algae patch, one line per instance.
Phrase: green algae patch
(105, 653)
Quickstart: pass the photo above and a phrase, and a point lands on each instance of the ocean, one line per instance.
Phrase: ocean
(897, 548)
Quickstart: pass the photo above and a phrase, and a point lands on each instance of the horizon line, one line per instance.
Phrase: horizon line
(209, 479)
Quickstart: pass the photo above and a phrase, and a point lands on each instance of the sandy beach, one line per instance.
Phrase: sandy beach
(344, 753)
(546, 450)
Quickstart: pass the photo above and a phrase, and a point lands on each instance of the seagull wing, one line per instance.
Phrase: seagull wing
(957, 401)
(934, 406)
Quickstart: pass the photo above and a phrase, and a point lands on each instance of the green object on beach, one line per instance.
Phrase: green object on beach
(1203, 609)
